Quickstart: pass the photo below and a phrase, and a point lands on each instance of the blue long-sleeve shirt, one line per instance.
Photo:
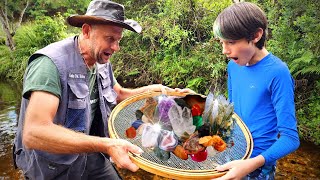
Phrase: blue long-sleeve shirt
(263, 96)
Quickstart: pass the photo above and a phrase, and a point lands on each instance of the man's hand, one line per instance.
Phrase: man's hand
(164, 89)
(185, 90)
(118, 150)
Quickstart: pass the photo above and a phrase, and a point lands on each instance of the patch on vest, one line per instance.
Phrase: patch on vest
(76, 76)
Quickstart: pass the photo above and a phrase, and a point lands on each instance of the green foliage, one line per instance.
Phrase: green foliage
(40, 8)
(38, 34)
(12, 8)
(309, 117)
(5, 59)
(305, 65)
(29, 38)
(294, 30)
(176, 47)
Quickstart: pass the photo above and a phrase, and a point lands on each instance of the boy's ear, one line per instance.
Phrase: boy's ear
(257, 35)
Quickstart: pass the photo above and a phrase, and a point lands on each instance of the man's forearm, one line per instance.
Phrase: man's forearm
(57, 139)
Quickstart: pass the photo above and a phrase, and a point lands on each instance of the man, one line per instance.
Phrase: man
(69, 91)
(261, 88)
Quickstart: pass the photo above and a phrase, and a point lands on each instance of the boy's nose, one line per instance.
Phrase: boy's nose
(225, 50)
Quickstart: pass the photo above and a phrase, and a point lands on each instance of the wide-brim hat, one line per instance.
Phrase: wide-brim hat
(104, 12)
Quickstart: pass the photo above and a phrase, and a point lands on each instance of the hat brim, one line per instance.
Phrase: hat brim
(79, 20)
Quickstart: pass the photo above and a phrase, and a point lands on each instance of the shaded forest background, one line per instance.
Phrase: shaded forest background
(177, 46)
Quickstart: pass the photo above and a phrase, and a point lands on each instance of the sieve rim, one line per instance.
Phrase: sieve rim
(167, 171)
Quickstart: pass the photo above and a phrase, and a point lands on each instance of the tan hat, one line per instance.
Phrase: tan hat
(104, 12)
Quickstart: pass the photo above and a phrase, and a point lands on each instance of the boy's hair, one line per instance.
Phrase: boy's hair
(241, 20)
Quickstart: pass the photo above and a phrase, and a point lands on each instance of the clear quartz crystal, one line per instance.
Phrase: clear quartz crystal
(181, 120)
(149, 137)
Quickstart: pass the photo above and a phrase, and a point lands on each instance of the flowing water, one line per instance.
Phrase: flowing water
(302, 164)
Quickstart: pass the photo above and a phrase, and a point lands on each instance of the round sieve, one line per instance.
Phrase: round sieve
(123, 115)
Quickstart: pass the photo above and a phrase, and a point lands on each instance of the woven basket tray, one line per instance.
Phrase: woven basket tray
(122, 117)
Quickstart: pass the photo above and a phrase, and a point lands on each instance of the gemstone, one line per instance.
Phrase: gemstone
(206, 141)
(139, 114)
(221, 146)
(211, 151)
(195, 110)
(204, 130)
(137, 123)
(161, 154)
(164, 105)
(180, 152)
(149, 137)
(197, 121)
(167, 140)
(192, 145)
(148, 108)
(200, 156)
(131, 132)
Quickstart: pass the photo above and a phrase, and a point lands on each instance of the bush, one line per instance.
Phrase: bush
(294, 27)
(36, 35)
(176, 47)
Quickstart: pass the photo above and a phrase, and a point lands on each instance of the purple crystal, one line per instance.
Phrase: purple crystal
(164, 105)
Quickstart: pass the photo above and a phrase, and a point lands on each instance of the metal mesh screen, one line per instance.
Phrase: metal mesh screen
(126, 116)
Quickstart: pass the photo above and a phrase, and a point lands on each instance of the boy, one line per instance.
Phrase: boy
(261, 88)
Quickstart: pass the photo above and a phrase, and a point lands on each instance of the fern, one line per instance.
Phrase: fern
(305, 65)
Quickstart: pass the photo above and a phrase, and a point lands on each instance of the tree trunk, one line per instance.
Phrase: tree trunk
(10, 32)
(6, 29)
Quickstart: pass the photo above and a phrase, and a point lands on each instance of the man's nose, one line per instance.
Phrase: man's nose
(115, 46)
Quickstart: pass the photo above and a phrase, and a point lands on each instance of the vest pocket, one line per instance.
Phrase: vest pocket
(41, 168)
(77, 105)
(110, 96)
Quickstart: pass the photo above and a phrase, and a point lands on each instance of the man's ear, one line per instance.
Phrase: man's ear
(257, 35)
(86, 29)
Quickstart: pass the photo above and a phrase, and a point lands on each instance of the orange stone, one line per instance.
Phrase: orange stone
(206, 141)
(180, 152)
(218, 143)
(131, 132)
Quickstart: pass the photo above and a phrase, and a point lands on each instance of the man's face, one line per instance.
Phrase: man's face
(103, 42)
(240, 51)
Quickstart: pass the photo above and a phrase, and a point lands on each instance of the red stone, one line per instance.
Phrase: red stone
(195, 110)
(131, 132)
(200, 156)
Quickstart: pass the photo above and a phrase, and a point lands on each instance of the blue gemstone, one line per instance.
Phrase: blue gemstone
(136, 124)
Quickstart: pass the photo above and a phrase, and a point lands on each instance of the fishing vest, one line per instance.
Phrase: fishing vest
(74, 112)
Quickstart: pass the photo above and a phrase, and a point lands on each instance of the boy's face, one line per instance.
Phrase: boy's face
(242, 51)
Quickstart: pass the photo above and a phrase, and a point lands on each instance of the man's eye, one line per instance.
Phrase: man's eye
(110, 39)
